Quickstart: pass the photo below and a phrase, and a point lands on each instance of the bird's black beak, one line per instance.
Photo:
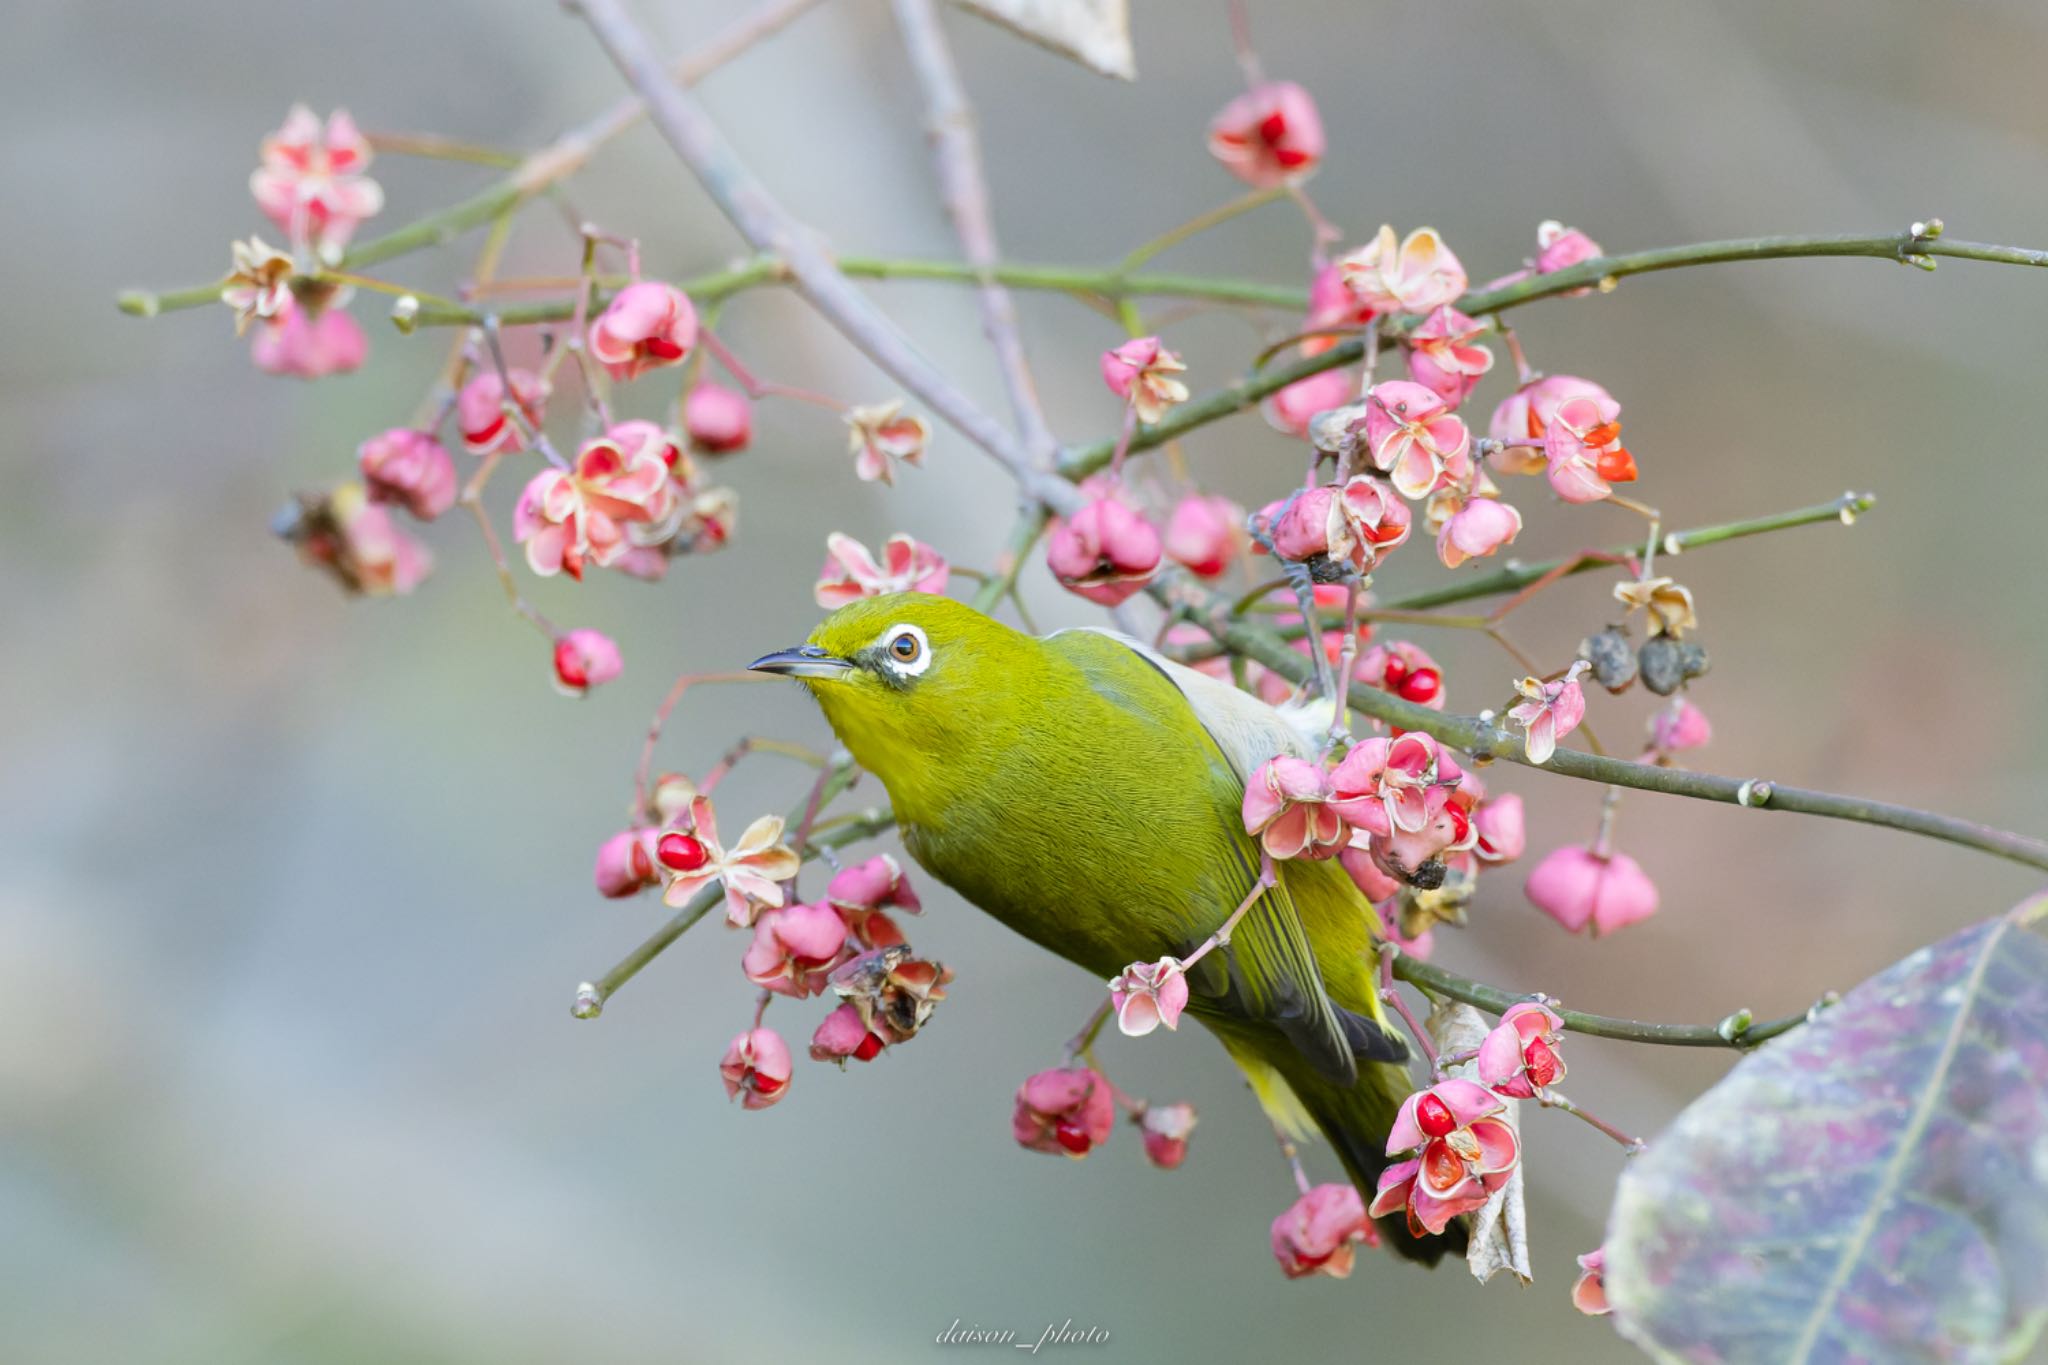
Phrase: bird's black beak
(805, 661)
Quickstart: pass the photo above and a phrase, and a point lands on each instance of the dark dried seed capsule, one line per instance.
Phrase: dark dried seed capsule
(1661, 661)
(1323, 569)
(1429, 876)
(1614, 663)
(1693, 660)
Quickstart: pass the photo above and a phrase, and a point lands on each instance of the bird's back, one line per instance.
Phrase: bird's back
(1093, 818)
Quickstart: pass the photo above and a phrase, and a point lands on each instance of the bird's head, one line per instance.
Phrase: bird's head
(903, 678)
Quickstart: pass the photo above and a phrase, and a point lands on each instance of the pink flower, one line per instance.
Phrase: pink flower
(892, 991)
(1501, 835)
(303, 346)
(1141, 372)
(1384, 785)
(1413, 434)
(843, 1035)
(1292, 408)
(1524, 415)
(1416, 276)
(1404, 669)
(1678, 727)
(646, 326)
(1165, 1129)
(1148, 994)
(1068, 1111)
(1105, 552)
(1558, 247)
(1519, 1056)
(357, 542)
(795, 949)
(851, 573)
(1353, 524)
(1299, 525)
(717, 420)
(1578, 886)
(757, 1065)
(1320, 1232)
(880, 435)
(1477, 528)
(410, 468)
(1415, 856)
(877, 884)
(1583, 448)
(1422, 944)
(648, 563)
(752, 871)
(1367, 875)
(1332, 304)
(625, 863)
(311, 182)
(1463, 1153)
(585, 659)
(1549, 711)
(671, 796)
(480, 411)
(259, 283)
(1589, 1291)
(1205, 534)
(638, 437)
(565, 519)
(1287, 805)
(1269, 135)
(1443, 357)
(862, 892)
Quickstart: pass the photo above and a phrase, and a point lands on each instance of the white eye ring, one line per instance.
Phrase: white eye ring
(905, 650)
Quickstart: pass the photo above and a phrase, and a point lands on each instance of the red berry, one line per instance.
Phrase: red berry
(570, 665)
(1421, 686)
(1434, 1117)
(681, 852)
(1075, 1140)
(870, 1048)
(1397, 669)
(1273, 127)
(1616, 465)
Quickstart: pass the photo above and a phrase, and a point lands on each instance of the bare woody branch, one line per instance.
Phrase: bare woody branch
(949, 122)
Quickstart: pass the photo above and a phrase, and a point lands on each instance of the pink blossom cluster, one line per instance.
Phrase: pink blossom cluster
(847, 943)
(1457, 1145)
(1399, 812)
(1071, 1110)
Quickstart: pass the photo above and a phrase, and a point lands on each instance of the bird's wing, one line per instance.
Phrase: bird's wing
(1273, 967)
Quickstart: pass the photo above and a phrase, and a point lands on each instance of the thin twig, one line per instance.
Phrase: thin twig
(684, 123)
(956, 150)
(1483, 739)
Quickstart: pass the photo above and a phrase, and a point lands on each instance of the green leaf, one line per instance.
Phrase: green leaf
(1873, 1187)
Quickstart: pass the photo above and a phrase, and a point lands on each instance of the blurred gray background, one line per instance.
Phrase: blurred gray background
(294, 891)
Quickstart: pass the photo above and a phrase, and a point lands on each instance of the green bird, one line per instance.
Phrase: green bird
(1088, 793)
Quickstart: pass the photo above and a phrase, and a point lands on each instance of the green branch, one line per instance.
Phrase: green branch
(1480, 737)
(1904, 247)
(1736, 1031)
(591, 995)
(1844, 509)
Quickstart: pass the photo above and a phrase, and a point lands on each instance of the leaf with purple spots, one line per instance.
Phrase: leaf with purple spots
(1873, 1187)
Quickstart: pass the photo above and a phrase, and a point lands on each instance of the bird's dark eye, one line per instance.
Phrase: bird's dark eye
(906, 648)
